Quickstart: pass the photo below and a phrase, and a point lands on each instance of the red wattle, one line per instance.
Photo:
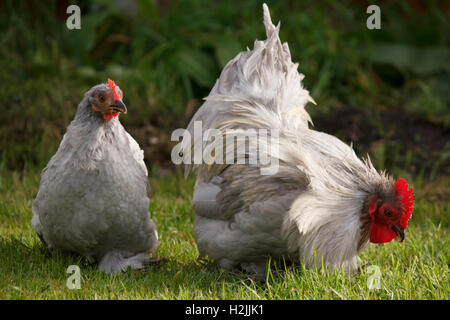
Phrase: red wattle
(109, 116)
(380, 233)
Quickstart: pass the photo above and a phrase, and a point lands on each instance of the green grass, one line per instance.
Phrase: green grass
(415, 269)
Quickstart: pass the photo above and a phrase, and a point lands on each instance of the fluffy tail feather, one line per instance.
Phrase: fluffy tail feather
(259, 88)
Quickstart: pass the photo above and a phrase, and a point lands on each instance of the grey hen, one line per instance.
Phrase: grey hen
(321, 205)
(93, 198)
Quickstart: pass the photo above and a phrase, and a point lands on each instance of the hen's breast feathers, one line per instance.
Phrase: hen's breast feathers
(95, 194)
(98, 166)
(137, 152)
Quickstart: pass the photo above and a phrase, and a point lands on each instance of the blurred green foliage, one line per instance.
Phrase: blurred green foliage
(167, 55)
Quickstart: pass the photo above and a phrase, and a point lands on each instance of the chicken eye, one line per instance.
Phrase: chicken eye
(101, 98)
(388, 212)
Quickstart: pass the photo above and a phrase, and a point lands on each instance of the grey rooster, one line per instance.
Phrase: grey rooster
(322, 205)
(93, 198)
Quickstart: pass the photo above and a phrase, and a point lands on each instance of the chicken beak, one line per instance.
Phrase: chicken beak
(400, 232)
(119, 106)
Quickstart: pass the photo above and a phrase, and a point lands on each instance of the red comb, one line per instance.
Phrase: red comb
(112, 85)
(405, 196)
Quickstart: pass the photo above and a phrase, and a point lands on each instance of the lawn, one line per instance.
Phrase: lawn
(415, 269)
